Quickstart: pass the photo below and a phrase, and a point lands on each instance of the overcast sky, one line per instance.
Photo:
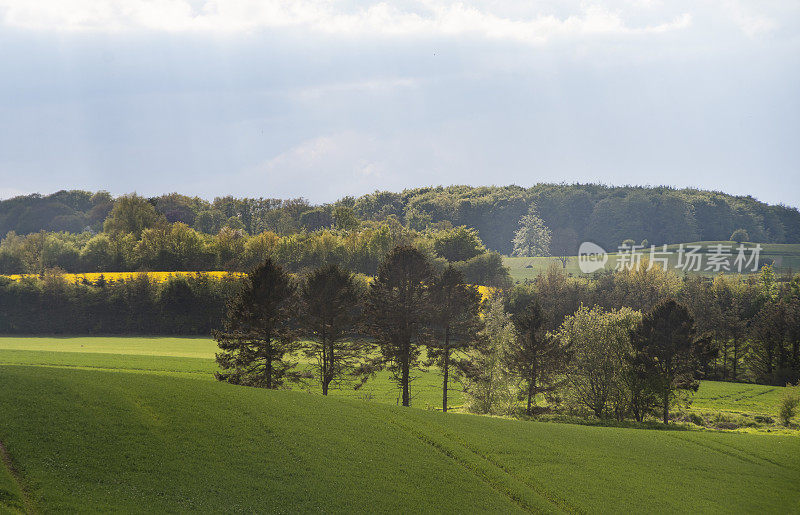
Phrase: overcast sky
(323, 99)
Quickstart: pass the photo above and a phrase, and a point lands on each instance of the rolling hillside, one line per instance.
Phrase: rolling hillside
(100, 440)
(138, 424)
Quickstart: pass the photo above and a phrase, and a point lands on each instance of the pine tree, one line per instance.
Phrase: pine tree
(665, 351)
(330, 312)
(259, 338)
(456, 322)
(397, 312)
(535, 358)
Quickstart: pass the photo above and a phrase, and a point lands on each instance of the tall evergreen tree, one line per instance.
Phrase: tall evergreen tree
(259, 337)
(397, 311)
(456, 322)
(769, 355)
(665, 350)
(330, 310)
(535, 358)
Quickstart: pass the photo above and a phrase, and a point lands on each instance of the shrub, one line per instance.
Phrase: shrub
(696, 419)
(740, 236)
(789, 403)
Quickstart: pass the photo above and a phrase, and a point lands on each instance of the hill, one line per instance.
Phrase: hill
(99, 440)
(138, 424)
(194, 358)
(606, 215)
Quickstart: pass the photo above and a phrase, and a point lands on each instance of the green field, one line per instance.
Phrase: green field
(738, 397)
(91, 429)
(786, 256)
(194, 357)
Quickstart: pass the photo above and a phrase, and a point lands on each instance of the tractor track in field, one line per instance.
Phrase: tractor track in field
(505, 476)
(5, 458)
(737, 452)
(733, 452)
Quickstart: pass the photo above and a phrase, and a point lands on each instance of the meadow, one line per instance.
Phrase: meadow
(139, 424)
(195, 356)
(139, 442)
(786, 257)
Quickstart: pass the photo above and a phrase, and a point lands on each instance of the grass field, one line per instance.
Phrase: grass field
(193, 356)
(754, 399)
(137, 424)
(786, 256)
(12, 499)
(108, 441)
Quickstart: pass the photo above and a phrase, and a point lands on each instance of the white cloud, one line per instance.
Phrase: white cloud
(752, 23)
(362, 86)
(347, 163)
(348, 155)
(425, 18)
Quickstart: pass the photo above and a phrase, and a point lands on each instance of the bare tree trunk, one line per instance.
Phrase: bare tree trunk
(531, 386)
(405, 374)
(444, 384)
(327, 354)
(406, 398)
(530, 396)
(724, 362)
(446, 368)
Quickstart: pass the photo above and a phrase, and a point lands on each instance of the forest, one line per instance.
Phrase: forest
(573, 213)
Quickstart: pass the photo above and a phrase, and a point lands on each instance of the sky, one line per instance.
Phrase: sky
(322, 99)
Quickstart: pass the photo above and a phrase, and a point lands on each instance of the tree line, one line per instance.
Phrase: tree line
(572, 213)
(751, 323)
(522, 349)
(49, 304)
(136, 238)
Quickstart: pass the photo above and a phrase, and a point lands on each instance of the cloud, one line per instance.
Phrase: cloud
(423, 18)
(361, 87)
(753, 24)
(347, 163)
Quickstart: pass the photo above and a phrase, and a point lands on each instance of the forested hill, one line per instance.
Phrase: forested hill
(574, 213)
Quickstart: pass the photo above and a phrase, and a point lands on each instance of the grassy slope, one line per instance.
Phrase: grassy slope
(193, 356)
(738, 397)
(10, 496)
(135, 442)
(787, 256)
(131, 345)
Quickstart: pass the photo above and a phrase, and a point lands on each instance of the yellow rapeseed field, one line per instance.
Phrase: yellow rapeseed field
(93, 277)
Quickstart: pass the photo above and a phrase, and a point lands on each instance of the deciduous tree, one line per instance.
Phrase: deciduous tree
(533, 237)
(132, 214)
(600, 348)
